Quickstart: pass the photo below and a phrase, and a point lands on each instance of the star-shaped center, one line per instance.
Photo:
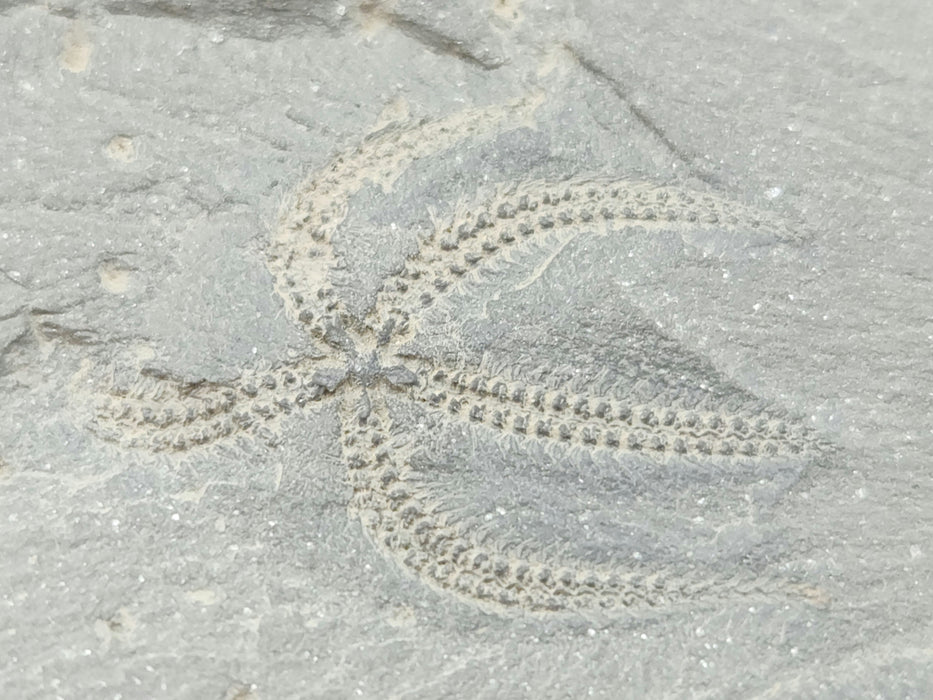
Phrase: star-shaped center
(361, 357)
(364, 363)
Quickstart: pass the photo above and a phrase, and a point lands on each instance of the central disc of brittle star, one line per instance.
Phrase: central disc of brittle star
(365, 364)
(367, 358)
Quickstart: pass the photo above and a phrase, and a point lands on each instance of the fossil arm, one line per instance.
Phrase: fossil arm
(403, 521)
(575, 419)
(300, 255)
(364, 364)
(492, 227)
(160, 412)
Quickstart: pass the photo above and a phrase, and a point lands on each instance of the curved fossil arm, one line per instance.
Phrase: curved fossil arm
(489, 228)
(162, 413)
(588, 421)
(404, 523)
(300, 254)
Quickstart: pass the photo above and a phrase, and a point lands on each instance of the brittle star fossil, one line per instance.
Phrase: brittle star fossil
(362, 363)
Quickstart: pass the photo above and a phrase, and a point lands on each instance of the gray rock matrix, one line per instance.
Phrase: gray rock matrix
(465, 350)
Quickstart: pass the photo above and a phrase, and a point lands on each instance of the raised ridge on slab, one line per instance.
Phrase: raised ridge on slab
(411, 528)
(300, 255)
(363, 363)
(162, 413)
(517, 214)
(593, 421)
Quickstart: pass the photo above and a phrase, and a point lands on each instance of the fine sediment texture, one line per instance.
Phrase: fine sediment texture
(407, 524)
(363, 364)
(493, 227)
(162, 413)
(587, 421)
(300, 254)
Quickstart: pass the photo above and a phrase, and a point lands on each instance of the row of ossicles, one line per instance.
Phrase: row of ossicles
(345, 173)
(518, 216)
(440, 554)
(411, 531)
(467, 243)
(161, 404)
(173, 438)
(600, 421)
(412, 528)
(258, 422)
(538, 587)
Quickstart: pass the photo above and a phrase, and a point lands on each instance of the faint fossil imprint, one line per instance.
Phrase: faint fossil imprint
(361, 364)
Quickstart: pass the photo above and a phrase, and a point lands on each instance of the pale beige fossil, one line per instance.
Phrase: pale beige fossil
(516, 213)
(406, 522)
(361, 364)
(300, 255)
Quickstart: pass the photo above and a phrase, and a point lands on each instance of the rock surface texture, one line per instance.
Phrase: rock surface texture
(465, 350)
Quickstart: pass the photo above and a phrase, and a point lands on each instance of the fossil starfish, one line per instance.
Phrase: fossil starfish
(361, 365)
